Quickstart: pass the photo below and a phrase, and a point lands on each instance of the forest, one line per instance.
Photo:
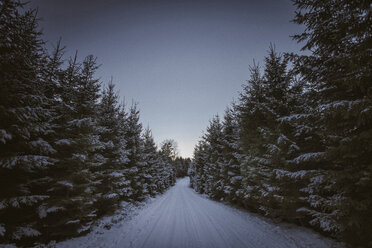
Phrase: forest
(70, 150)
(296, 146)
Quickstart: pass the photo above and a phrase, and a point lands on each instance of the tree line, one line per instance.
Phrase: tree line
(70, 151)
(297, 146)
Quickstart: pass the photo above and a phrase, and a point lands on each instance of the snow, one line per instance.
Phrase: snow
(340, 104)
(66, 183)
(54, 209)
(73, 222)
(63, 142)
(116, 174)
(279, 174)
(81, 157)
(26, 160)
(25, 232)
(83, 229)
(182, 218)
(2, 230)
(43, 211)
(43, 145)
(80, 122)
(111, 195)
(308, 157)
(293, 117)
(235, 179)
(16, 202)
(4, 136)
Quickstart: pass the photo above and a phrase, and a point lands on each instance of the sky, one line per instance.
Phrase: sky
(183, 61)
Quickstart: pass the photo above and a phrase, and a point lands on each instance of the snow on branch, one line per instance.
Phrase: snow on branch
(4, 136)
(17, 202)
(25, 232)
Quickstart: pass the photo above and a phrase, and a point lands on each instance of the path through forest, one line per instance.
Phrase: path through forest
(182, 218)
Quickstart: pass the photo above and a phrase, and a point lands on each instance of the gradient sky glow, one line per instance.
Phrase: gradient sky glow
(183, 61)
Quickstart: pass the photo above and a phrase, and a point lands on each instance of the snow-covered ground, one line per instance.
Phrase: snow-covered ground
(182, 218)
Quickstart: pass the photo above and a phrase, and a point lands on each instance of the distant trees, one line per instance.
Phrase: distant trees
(169, 149)
(69, 151)
(181, 166)
(298, 141)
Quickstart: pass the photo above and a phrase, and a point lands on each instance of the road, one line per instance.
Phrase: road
(181, 218)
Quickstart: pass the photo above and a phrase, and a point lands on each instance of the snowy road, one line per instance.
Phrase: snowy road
(182, 218)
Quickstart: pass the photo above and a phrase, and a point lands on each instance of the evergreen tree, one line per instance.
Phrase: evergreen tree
(168, 152)
(114, 156)
(232, 156)
(135, 152)
(265, 139)
(122, 184)
(74, 182)
(181, 166)
(66, 158)
(25, 153)
(339, 70)
(254, 116)
(281, 198)
(196, 171)
(207, 168)
(213, 167)
(169, 149)
(151, 178)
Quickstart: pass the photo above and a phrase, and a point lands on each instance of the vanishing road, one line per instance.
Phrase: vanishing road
(182, 218)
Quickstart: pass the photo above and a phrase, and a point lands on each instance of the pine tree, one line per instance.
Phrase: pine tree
(254, 116)
(181, 166)
(169, 149)
(151, 177)
(213, 168)
(78, 144)
(207, 168)
(232, 156)
(168, 153)
(135, 152)
(281, 198)
(338, 70)
(25, 153)
(66, 158)
(263, 103)
(196, 172)
(122, 160)
(110, 174)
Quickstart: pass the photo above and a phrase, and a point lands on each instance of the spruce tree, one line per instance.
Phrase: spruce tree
(122, 183)
(263, 103)
(74, 182)
(25, 126)
(168, 153)
(253, 116)
(232, 156)
(151, 177)
(113, 152)
(214, 166)
(281, 198)
(196, 172)
(339, 71)
(181, 166)
(135, 152)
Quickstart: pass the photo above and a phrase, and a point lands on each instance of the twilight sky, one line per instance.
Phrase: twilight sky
(182, 60)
